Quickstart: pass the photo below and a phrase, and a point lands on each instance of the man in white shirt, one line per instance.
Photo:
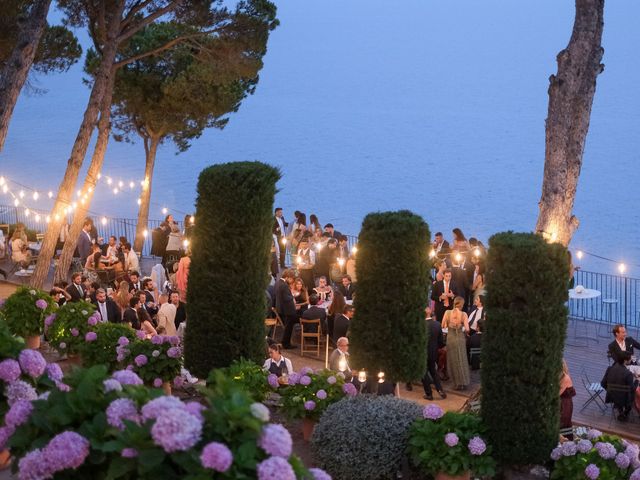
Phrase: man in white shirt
(166, 317)
(112, 250)
(476, 315)
(131, 262)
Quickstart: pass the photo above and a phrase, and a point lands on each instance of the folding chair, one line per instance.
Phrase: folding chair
(594, 390)
(305, 333)
(278, 323)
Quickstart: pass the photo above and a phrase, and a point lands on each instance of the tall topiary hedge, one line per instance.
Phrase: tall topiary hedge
(522, 347)
(230, 265)
(388, 331)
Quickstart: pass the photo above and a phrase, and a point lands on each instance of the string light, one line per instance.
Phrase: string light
(47, 219)
(21, 194)
(579, 254)
(26, 212)
(115, 191)
(2, 180)
(56, 217)
(79, 193)
(145, 233)
(121, 184)
(381, 377)
(16, 202)
(622, 267)
(164, 210)
(36, 195)
(341, 262)
(139, 201)
(132, 185)
(109, 181)
(37, 217)
(185, 243)
(50, 194)
(5, 188)
(458, 257)
(103, 220)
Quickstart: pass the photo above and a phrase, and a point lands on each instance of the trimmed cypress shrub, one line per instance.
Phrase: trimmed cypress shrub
(388, 331)
(229, 270)
(522, 346)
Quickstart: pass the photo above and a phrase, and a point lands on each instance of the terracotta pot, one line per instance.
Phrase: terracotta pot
(166, 388)
(33, 342)
(307, 428)
(5, 459)
(444, 476)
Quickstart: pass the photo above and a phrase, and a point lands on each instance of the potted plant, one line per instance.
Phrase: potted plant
(102, 350)
(596, 455)
(308, 395)
(72, 326)
(450, 445)
(25, 311)
(157, 361)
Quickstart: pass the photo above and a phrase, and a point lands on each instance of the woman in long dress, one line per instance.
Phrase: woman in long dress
(567, 392)
(457, 362)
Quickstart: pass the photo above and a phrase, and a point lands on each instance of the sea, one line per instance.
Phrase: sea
(367, 105)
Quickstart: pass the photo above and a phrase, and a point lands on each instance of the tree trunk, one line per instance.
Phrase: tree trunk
(104, 130)
(103, 82)
(150, 148)
(571, 93)
(15, 71)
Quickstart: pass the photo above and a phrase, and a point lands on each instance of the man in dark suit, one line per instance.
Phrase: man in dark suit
(476, 314)
(181, 310)
(75, 289)
(622, 343)
(619, 383)
(436, 341)
(342, 322)
(460, 274)
(314, 312)
(130, 314)
(328, 228)
(280, 231)
(286, 306)
(134, 281)
(107, 308)
(347, 288)
(85, 242)
(443, 293)
(440, 246)
(150, 302)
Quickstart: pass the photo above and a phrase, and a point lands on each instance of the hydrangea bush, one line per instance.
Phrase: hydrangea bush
(156, 360)
(72, 326)
(451, 443)
(309, 394)
(117, 428)
(102, 351)
(24, 379)
(364, 437)
(26, 309)
(596, 456)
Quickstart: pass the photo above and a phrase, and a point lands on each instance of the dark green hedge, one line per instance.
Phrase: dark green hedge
(230, 265)
(522, 348)
(388, 331)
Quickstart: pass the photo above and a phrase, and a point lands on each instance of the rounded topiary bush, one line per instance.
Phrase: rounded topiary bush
(364, 437)
(103, 350)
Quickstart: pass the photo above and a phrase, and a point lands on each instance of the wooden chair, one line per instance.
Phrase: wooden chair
(305, 333)
(274, 323)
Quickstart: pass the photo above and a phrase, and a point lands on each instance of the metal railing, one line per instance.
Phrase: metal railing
(118, 227)
(619, 301)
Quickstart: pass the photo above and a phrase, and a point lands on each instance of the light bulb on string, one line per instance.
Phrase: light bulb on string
(103, 220)
(36, 195)
(458, 257)
(164, 211)
(65, 210)
(16, 202)
(79, 193)
(90, 189)
(74, 205)
(37, 217)
(5, 188)
(99, 176)
(354, 249)
(120, 184)
(47, 219)
(145, 233)
(115, 191)
(579, 254)
(185, 243)
(82, 201)
(26, 212)
(50, 194)
(21, 194)
(139, 201)
(56, 217)
(109, 181)
(622, 268)
(2, 180)
(131, 185)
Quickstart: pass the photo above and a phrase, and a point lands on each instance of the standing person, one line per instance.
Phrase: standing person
(286, 306)
(343, 322)
(85, 242)
(130, 315)
(166, 317)
(314, 224)
(305, 261)
(440, 246)
(109, 311)
(182, 277)
(567, 392)
(280, 231)
(123, 295)
(333, 233)
(457, 323)
(75, 289)
(277, 363)
(477, 287)
(460, 242)
(442, 294)
(435, 342)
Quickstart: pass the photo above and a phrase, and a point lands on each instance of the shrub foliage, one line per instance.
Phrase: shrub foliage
(522, 349)
(230, 265)
(103, 349)
(388, 332)
(364, 437)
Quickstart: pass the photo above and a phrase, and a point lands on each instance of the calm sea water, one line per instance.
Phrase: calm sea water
(437, 107)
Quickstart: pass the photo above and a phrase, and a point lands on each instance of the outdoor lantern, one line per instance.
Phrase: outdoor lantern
(362, 376)
(381, 377)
